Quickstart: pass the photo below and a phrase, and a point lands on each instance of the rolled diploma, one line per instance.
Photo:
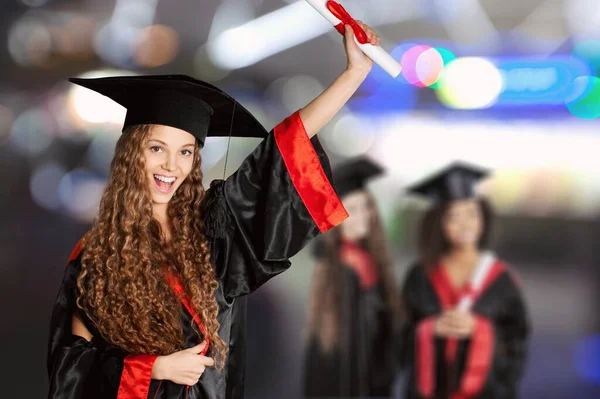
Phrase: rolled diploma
(376, 53)
(481, 272)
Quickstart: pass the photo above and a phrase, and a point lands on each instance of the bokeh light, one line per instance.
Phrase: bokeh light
(447, 57)
(92, 107)
(79, 193)
(349, 136)
(44, 185)
(76, 38)
(584, 99)
(470, 83)
(32, 132)
(587, 359)
(156, 45)
(589, 50)
(422, 65)
(29, 42)
(298, 91)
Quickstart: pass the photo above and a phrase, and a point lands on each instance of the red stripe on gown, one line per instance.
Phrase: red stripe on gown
(307, 174)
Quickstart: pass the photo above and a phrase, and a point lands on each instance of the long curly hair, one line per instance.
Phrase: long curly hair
(327, 294)
(122, 286)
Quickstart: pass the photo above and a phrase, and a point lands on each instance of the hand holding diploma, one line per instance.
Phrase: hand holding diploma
(340, 18)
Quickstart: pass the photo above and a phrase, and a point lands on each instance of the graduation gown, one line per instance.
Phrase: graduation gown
(487, 365)
(271, 207)
(362, 363)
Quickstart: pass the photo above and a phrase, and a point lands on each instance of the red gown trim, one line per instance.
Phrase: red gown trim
(136, 377)
(76, 250)
(425, 347)
(359, 260)
(307, 175)
(481, 348)
(176, 286)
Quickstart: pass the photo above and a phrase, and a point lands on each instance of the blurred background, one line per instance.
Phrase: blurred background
(511, 85)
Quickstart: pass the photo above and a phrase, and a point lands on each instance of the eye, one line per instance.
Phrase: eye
(186, 153)
(156, 148)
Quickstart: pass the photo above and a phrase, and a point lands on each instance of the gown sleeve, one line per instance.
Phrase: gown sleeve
(80, 369)
(280, 198)
(512, 333)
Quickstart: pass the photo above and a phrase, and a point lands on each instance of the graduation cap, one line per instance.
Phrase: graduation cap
(179, 101)
(354, 175)
(455, 182)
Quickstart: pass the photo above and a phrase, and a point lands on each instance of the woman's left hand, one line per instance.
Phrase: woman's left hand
(357, 60)
(461, 323)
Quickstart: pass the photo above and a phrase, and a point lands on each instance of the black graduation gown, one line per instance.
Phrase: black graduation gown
(363, 362)
(270, 208)
(490, 363)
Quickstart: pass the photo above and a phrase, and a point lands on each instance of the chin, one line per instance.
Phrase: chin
(161, 199)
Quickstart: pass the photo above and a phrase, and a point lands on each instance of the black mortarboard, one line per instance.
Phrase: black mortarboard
(354, 174)
(455, 182)
(197, 107)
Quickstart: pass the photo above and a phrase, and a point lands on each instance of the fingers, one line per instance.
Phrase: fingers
(207, 361)
(373, 37)
(349, 33)
(196, 349)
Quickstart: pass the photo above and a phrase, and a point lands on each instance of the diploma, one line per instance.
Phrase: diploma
(481, 271)
(338, 17)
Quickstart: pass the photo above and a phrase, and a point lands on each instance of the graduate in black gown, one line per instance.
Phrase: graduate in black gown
(467, 325)
(152, 302)
(353, 302)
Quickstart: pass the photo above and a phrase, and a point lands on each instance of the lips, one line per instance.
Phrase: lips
(163, 183)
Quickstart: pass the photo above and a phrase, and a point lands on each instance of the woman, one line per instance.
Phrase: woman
(151, 305)
(467, 327)
(353, 308)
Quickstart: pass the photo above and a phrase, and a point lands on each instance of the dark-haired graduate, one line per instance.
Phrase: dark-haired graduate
(466, 322)
(152, 302)
(353, 309)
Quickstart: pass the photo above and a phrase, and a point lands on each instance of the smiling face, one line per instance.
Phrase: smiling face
(169, 158)
(463, 223)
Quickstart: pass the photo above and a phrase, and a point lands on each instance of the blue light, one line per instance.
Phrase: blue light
(538, 81)
(587, 359)
(392, 99)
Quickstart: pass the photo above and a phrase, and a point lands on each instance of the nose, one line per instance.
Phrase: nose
(170, 164)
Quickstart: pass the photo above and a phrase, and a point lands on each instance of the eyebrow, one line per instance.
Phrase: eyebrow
(166, 145)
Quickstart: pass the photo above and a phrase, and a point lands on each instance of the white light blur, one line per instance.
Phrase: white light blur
(522, 155)
(470, 24)
(80, 192)
(470, 83)
(44, 185)
(289, 26)
(298, 91)
(583, 18)
(32, 132)
(413, 145)
(348, 136)
(93, 107)
(267, 35)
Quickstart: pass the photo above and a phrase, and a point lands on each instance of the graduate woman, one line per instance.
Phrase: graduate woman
(353, 304)
(467, 325)
(152, 302)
